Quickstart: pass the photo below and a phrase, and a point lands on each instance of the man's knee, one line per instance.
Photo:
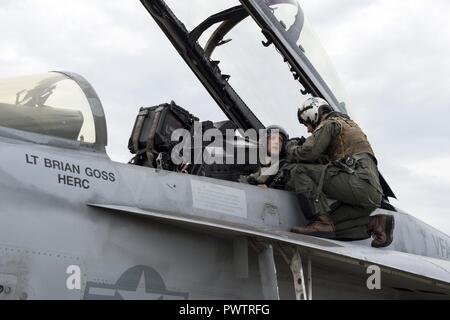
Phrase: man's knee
(307, 172)
(371, 200)
(301, 180)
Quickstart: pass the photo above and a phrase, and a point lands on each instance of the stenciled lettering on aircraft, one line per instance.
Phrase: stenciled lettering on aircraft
(70, 174)
(442, 247)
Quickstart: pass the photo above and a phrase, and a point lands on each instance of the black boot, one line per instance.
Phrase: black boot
(382, 229)
(323, 227)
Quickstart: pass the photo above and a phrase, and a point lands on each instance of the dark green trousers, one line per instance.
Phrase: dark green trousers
(357, 194)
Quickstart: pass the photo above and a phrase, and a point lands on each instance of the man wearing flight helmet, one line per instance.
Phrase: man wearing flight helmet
(272, 175)
(337, 162)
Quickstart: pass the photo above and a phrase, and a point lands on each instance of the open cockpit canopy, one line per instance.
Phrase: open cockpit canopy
(259, 59)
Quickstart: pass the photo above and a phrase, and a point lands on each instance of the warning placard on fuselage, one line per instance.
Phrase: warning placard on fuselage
(218, 198)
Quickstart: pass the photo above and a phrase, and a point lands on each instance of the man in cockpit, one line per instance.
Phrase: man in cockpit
(337, 163)
(277, 139)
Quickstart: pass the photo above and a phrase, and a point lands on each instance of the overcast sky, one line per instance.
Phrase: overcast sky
(393, 57)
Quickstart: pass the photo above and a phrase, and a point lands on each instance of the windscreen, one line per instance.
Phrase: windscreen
(50, 104)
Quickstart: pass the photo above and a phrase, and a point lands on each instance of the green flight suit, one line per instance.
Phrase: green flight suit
(276, 181)
(354, 184)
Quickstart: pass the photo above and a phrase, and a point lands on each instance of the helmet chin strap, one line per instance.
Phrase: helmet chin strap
(315, 126)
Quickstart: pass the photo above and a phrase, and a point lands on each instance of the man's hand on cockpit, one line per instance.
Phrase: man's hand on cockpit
(298, 141)
(294, 143)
